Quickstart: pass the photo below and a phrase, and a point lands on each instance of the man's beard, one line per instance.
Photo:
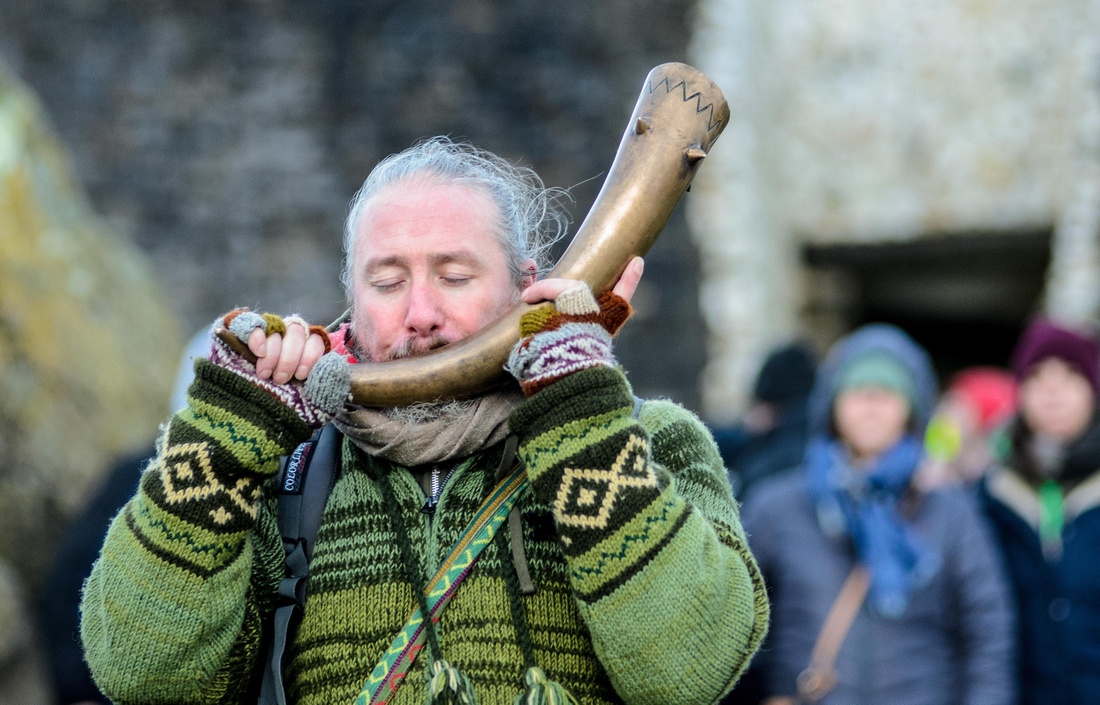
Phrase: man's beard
(410, 347)
(424, 411)
(414, 347)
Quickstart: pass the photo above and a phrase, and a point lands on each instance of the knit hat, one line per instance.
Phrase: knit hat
(877, 368)
(880, 338)
(787, 375)
(1043, 339)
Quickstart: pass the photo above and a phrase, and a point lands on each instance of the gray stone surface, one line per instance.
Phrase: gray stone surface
(87, 349)
(876, 122)
(88, 344)
(22, 671)
(226, 138)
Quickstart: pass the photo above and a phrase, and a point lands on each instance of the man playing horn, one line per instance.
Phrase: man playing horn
(622, 574)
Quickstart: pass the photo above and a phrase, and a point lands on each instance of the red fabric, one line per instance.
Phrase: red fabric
(338, 341)
(231, 315)
(990, 391)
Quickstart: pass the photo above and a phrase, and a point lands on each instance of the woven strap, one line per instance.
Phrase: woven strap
(399, 657)
(820, 677)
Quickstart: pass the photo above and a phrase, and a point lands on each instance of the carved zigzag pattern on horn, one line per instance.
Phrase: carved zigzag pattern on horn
(698, 96)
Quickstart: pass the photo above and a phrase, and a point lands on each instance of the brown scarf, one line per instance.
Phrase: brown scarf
(410, 444)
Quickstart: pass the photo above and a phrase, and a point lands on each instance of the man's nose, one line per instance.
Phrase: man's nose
(424, 315)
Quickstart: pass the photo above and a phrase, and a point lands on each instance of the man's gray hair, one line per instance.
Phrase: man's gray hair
(532, 217)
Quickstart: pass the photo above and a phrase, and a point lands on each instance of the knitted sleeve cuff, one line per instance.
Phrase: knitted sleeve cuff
(562, 339)
(217, 390)
(201, 494)
(585, 394)
(325, 390)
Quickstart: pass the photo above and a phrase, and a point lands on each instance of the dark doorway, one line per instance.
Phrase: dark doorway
(965, 297)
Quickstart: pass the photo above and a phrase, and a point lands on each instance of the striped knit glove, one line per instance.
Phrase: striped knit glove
(316, 400)
(574, 334)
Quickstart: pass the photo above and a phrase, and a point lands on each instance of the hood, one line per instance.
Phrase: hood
(879, 337)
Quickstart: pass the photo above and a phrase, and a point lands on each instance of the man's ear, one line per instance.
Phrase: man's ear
(529, 269)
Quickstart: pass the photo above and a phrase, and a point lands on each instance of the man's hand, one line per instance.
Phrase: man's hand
(550, 289)
(287, 350)
(572, 335)
(280, 357)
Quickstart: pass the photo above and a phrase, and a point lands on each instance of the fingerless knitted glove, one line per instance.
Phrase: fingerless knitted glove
(574, 334)
(316, 400)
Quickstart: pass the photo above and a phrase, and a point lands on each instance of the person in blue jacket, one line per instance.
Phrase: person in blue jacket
(1044, 503)
(935, 627)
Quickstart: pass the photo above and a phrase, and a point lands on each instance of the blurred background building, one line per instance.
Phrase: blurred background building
(933, 164)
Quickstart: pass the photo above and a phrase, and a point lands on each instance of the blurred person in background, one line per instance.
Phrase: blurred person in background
(919, 609)
(772, 435)
(1043, 503)
(968, 421)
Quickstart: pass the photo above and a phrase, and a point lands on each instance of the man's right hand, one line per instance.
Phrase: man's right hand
(282, 357)
(286, 350)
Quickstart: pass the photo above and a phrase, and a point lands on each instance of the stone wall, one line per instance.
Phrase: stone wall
(88, 347)
(226, 138)
(866, 121)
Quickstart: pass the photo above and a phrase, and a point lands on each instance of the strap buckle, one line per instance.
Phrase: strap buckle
(292, 588)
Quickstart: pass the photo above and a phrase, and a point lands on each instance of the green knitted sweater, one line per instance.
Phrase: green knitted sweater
(647, 592)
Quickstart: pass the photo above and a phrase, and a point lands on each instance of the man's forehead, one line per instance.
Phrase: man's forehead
(426, 198)
(444, 220)
(383, 213)
(465, 256)
(378, 242)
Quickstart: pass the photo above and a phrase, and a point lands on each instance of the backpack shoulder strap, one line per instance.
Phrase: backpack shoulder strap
(305, 482)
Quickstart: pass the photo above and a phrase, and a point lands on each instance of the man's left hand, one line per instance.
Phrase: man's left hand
(572, 335)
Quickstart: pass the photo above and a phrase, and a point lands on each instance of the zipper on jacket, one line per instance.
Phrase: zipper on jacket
(432, 500)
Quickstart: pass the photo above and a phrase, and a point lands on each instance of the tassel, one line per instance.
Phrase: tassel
(449, 686)
(543, 691)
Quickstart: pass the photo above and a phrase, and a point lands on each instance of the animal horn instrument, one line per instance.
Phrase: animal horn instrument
(679, 115)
